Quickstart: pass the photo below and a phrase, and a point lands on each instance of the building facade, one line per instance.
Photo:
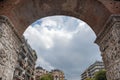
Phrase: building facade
(58, 74)
(92, 69)
(25, 66)
(39, 72)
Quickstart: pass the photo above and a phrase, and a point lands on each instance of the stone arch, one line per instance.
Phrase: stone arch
(23, 13)
(96, 13)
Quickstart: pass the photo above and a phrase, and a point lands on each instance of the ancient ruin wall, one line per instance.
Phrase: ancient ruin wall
(9, 48)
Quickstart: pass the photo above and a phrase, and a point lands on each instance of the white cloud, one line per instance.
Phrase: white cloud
(49, 23)
(41, 62)
(65, 43)
(47, 35)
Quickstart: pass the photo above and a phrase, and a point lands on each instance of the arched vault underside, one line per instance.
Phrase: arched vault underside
(22, 13)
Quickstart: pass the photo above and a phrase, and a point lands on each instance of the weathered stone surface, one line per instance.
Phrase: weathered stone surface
(109, 42)
(9, 45)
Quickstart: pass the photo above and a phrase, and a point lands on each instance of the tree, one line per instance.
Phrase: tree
(100, 75)
(46, 77)
(89, 79)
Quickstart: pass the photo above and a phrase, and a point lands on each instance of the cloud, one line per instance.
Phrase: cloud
(65, 43)
(41, 62)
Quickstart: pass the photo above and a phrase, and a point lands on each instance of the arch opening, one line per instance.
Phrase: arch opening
(66, 38)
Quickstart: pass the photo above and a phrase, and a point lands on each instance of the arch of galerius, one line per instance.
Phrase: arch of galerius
(103, 16)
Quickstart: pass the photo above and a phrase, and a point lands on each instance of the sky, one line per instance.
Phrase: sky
(65, 43)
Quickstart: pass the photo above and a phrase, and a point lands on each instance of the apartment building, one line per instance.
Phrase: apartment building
(39, 72)
(92, 69)
(25, 65)
(58, 74)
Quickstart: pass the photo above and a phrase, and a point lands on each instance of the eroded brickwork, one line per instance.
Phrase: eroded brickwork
(110, 47)
(9, 47)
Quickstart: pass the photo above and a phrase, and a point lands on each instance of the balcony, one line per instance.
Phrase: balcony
(27, 73)
(19, 67)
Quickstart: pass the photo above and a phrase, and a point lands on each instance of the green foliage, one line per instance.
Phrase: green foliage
(89, 79)
(100, 75)
(47, 77)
